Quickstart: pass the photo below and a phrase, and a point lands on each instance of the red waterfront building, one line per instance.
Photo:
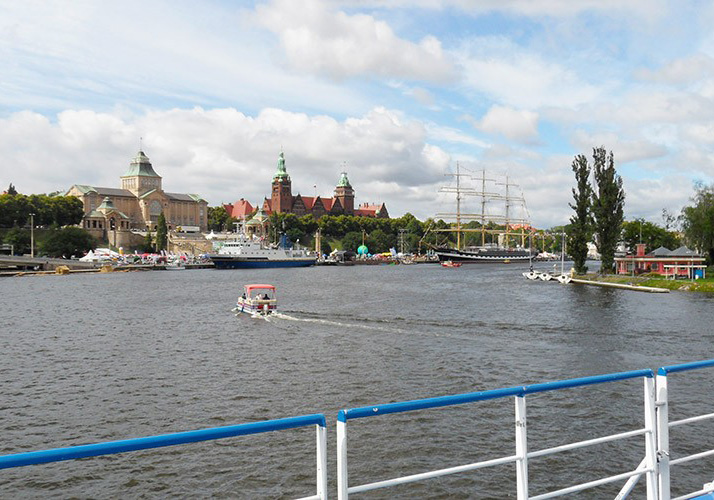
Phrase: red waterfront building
(681, 262)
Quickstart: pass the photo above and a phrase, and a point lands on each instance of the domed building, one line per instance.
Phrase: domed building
(111, 214)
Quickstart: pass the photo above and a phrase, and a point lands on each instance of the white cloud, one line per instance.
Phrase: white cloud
(624, 150)
(143, 55)
(690, 69)
(223, 154)
(454, 136)
(518, 77)
(646, 9)
(316, 39)
(519, 125)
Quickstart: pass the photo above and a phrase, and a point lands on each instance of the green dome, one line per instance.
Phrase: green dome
(140, 165)
(344, 181)
(281, 173)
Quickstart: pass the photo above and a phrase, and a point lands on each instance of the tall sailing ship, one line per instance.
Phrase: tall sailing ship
(510, 218)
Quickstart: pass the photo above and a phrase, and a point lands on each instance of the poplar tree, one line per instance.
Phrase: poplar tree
(607, 207)
(581, 221)
(161, 233)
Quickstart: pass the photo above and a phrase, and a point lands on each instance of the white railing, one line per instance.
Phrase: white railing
(647, 467)
(664, 424)
(656, 463)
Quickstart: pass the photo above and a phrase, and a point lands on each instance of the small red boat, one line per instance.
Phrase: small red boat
(450, 263)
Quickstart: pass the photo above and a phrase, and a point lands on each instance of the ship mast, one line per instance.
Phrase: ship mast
(506, 218)
(458, 209)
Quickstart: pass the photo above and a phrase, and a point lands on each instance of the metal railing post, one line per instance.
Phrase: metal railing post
(341, 457)
(521, 449)
(662, 409)
(321, 432)
(650, 439)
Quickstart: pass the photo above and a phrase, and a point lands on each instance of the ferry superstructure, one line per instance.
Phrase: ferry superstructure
(249, 252)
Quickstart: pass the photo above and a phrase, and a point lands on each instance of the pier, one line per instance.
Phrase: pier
(625, 286)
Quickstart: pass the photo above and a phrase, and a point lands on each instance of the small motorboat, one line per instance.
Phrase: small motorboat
(257, 299)
(450, 263)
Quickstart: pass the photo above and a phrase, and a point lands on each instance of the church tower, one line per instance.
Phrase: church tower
(281, 199)
(140, 178)
(345, 194)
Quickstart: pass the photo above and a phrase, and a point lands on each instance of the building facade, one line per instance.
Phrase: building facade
(681, 262)
(112, 214)
(341, 202)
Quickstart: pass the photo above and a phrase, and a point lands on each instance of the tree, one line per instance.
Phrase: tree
(161, 233)
(68, 241)
(148, 244)
(19, 238)
(219, 220)
(11, 189)
(379, 241)
(652, 235)
(581, 222)
(698, 220)
(607, 207)
(351, 241)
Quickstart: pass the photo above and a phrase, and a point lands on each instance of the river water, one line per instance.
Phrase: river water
(90, 358)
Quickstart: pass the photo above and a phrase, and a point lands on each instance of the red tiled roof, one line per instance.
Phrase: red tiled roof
(309, 201)
(366, 212)
(239, 209)
(327, 203)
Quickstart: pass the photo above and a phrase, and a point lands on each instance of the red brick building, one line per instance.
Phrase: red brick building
(680, 262)
(282, 199)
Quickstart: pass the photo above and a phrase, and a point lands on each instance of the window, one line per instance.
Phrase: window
(654, 266)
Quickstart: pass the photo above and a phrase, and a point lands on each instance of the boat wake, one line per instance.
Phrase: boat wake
(322, 321)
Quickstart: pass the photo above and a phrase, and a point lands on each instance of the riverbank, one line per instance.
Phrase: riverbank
(700, 285)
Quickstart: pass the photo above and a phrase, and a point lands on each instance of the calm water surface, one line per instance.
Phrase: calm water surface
(88, 358)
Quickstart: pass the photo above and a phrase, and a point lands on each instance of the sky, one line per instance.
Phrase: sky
(393, 92)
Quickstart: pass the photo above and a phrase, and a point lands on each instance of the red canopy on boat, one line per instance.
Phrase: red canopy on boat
(248, 288)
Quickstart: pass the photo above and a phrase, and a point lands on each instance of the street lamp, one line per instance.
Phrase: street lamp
(32, 236)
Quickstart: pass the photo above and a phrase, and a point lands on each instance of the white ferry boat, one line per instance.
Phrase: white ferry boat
(249, 252)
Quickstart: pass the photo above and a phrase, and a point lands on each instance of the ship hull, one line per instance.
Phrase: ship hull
(227, 262)
(483, 256)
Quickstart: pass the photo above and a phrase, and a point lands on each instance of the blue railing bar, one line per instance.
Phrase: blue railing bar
(420, 404)
(143, 443)
(429, 475)
(591, 484)
(585, 444)
(579, 382)
(685, 367)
